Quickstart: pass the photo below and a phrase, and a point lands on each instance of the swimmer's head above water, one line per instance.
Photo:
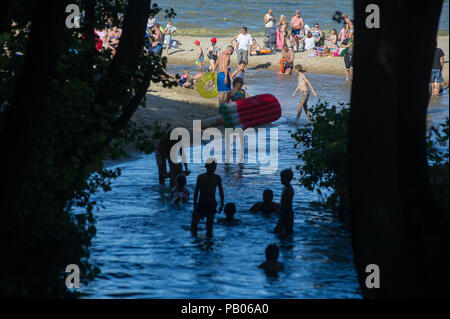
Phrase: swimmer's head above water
(286, 176)
(211, 165)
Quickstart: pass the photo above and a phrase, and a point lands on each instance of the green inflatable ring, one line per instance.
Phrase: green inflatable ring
(207, 85)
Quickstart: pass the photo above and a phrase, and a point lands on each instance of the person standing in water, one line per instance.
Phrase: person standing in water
(302, 86)
(286, 222)
(288, 55)
(272, 266)
(205, 204)
(223, 76)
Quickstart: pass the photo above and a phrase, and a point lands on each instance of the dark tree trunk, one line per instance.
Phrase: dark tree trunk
(29, 102)
(396, 223)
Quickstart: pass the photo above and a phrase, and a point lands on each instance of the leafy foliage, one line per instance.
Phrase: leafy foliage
(324, 154)
(324, 157)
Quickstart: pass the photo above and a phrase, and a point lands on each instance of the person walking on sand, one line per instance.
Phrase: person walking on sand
(302, 86)
(297, 25)
(205, 204)
(288, 55)
(244, 41)
(223, 76)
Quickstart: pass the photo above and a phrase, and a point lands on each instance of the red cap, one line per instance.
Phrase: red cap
(213, 40)
(197, 42)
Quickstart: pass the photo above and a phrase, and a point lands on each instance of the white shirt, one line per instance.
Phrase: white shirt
(270, 23)
(245, 41)
(309, 43)
(151, 23)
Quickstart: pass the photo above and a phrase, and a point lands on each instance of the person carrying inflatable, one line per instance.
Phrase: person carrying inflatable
(223, 76)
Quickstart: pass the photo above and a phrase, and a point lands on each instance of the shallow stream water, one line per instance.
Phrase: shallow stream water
(144, 249)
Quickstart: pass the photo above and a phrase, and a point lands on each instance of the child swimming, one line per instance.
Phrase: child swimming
(286, 222)
(267, 206)
(302, 86)
(206, 185)
(179, 193)
(200, 55)
(272, 266)
(229, 210)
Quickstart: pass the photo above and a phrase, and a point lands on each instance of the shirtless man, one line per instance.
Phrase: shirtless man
(223, 76)
(157, 40)
(348, 25)
(297, 25)
(287, 54)
(206, 205)
(303, 83)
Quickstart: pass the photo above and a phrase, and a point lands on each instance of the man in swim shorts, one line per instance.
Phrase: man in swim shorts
(297, 25)
(223, 76)
(206, 205)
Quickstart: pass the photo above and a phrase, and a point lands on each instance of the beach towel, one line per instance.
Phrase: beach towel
(279, 42)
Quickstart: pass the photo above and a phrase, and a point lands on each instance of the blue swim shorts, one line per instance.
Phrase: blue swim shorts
(436, 75)
(221, 86)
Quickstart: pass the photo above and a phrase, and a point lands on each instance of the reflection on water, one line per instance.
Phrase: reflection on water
(145, 250)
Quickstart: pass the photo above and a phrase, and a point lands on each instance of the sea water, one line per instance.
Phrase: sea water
(144, 248)
(224, 18)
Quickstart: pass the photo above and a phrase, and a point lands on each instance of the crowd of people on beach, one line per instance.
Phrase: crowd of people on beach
(281, 35)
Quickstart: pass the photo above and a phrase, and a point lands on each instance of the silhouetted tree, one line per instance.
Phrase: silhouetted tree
(61, 114)
(396, 223)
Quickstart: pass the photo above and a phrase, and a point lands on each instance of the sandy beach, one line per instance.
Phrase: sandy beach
(185, 54)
